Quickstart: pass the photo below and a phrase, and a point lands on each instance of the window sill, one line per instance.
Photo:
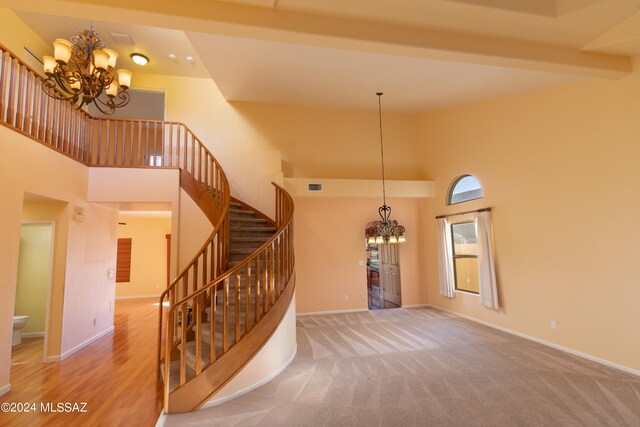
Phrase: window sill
(468, 292)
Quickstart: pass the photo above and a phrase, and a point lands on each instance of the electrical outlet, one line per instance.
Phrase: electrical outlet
(554, 325)
(111, 273)
(346, 297)
(361, 262)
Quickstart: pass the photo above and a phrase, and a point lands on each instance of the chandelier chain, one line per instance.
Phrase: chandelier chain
(384, 193)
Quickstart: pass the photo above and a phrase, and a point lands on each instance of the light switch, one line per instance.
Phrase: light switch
(111, 273)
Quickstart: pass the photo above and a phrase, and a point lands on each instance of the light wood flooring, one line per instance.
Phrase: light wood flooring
(115, 376)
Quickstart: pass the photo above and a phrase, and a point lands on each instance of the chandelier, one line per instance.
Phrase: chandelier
(387, 230)
(82, 69)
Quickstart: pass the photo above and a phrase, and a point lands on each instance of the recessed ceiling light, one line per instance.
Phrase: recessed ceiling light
(139, 59)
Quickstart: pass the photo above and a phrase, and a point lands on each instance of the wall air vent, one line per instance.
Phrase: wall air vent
(315, 187)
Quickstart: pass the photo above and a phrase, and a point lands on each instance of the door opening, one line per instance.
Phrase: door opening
(31, 311)
(383, 275)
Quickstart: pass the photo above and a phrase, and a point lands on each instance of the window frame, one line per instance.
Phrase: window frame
(453, 185)
(454, 256)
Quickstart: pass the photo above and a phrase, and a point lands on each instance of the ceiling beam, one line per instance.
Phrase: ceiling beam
(206, 16)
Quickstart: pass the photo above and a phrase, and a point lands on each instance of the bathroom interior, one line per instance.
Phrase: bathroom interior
(33, 280)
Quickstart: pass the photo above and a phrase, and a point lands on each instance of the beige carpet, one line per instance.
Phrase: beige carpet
(423, 367)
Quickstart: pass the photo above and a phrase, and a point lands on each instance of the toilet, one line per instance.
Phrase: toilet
(19, 322)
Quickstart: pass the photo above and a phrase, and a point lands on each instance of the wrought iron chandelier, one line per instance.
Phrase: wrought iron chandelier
(82, 69)
(387, 230)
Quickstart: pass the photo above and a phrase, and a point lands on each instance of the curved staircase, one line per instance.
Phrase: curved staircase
(229, 299)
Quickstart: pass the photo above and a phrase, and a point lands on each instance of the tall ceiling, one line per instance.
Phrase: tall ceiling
(423, 54)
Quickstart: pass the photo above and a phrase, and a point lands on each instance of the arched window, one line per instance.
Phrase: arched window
(463, 189)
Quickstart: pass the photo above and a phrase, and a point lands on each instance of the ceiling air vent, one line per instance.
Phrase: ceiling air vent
(315, 187)
(122, 39)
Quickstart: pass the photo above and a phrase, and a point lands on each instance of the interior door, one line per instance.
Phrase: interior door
(390, 275)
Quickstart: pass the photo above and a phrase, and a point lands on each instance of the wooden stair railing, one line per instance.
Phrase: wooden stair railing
(259, 290)
(204, 283)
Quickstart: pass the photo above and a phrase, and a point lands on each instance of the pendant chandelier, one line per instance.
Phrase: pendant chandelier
(82, 69)
(386, 230)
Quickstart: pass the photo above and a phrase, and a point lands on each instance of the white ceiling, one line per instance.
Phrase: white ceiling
(422, 54)
(281, 73)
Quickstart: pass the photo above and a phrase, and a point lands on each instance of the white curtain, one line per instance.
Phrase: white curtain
(486, 269)
(445, 259)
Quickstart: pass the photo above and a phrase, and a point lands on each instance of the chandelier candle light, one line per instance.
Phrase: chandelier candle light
(387, 230)
(82, 69)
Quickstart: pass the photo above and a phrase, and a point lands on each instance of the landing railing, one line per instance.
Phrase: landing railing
(25, 108)
(265, 275)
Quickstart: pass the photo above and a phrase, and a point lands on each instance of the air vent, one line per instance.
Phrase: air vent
(315, 187)
(122, 39)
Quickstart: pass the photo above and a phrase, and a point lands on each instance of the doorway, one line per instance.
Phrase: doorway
(32, 292)
(383, 276)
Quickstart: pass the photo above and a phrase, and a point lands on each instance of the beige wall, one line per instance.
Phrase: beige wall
(34, 273)
(255, 142)
(148, 254)
(329, 242)
(16, 35)
(560, 169)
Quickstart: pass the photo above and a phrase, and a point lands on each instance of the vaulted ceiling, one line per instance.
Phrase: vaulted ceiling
(337, 53)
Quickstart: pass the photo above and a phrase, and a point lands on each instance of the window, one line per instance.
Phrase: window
(154, 158)
(465, 256)
(463, 189)
(123, 261)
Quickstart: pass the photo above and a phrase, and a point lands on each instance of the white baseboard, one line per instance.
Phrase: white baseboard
(543, 342)
(5, 389)
(139, 297)
(79, 346)
(32, 334)
(316, 313)
(216, 402)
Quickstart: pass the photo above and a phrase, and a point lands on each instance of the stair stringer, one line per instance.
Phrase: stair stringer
(212, 379)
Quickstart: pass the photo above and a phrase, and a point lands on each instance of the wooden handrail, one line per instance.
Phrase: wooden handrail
(266, 272)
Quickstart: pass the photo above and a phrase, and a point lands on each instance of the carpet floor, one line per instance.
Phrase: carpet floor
(424, 367)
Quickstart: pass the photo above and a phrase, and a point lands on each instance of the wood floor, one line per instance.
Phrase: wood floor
(115, 376)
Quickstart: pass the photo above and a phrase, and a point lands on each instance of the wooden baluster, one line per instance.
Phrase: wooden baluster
(207, 188)
(155, 145)
(185, 142)
(44, 120)
(3, 84)
(198, 318)
(225, 316)
(100, 141)
(193, 155)
(124, 143)
(247, 300)
(272, 279)
(10, 109)
(256, 292)
(170, 144)
(28, 117)
(167, 355)
(146, 144)
(18, 116)
(131, 144)
(185, 283)
(38, 93)
(115, 143)
(237, 301)
(195, 276)
(265, 285)
(212, 323)
(107, 154)
(138, 161)
(183, 345)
